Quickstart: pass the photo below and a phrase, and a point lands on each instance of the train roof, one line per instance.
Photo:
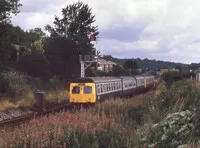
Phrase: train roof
(94, 79)
(104, 78)
(127, 77)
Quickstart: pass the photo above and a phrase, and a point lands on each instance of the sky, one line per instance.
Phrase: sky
(167, 30)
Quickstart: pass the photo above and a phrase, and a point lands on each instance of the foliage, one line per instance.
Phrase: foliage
(38, 47)
(101, 126)
(130, 64)
(74, 25)
(13, 83)
(35, 65)
(119, 123)
(118, 70)
(174, 130)
(171, 77)
(25, 38)
(147, 63)
(63, 57)
(7, 7)
(194, 66)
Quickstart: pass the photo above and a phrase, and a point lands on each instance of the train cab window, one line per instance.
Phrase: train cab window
(76, 90)
(88, 90)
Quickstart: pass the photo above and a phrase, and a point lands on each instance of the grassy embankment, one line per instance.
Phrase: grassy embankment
(167, 117)
(17, 90)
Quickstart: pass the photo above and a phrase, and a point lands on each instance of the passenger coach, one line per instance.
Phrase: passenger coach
(93, 89)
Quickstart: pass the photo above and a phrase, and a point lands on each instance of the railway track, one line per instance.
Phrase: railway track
(26, 118)
(16, 121)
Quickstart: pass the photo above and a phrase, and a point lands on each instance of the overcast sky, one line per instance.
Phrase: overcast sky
(166, 30)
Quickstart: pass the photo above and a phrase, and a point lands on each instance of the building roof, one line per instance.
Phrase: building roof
(102, 61)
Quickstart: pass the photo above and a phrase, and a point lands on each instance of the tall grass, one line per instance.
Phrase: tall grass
(108, 124)
(17, 89)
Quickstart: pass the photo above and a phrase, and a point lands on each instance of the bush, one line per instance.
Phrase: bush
(137, 113)
(174, 130)
(13, 83)
(35, 65)
(180, 96)
(171, 77)
(54, 84)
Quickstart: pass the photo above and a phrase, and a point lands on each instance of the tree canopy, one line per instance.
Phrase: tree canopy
(130, 64)
(76, 23)
(7, 7)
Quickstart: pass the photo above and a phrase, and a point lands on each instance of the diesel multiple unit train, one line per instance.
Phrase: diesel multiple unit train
(93, 89)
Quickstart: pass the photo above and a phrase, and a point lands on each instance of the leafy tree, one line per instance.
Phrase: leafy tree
(74, 25)
(7, 7)
(31, 41)
(108, 57)
(130, 64)
(38, 47)
(63, 57)
(118, 70)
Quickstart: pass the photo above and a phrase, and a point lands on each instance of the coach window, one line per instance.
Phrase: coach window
(76, 90)
(117, 85)
(101, 88)
(104, 87)
(107, 87)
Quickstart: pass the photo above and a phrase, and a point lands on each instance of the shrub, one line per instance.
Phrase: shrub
(171, 77)
(180, 96)
(174, 130)
(13, 83)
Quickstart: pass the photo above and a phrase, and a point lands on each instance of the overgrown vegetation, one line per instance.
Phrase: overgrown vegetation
(17, 89)
(108, 124)
(164, 118)
(161, 118)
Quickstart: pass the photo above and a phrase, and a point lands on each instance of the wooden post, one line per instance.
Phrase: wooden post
(40, 97)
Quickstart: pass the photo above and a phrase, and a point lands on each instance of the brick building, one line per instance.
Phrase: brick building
(105, 65)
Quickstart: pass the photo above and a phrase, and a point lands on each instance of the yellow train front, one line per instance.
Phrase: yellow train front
(82, 90)
(93, 89)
